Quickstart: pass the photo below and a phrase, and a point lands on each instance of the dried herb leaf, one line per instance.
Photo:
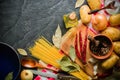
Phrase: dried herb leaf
(67, 65)
(79, 3)
(72, 53)
(22, 51)
(57, 37)
(9, 76)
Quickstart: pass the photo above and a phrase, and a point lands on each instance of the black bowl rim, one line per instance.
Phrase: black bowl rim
(3, 43)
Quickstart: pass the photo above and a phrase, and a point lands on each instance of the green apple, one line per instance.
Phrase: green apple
(26, 75)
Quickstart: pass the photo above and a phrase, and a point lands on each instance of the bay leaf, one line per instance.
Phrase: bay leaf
(67, 65)
(79, 3)
(9, 76)
(57, 37)
(72, 53)
(22, 51)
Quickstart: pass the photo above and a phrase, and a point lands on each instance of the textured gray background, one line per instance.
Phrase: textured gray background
(23, 21)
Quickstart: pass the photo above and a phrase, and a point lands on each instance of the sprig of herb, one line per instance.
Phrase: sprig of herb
(9, 76)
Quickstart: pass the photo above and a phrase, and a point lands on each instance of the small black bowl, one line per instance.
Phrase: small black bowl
(9, 61)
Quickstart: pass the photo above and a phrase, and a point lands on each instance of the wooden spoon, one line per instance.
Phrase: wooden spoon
(31, 63)
(109, 6)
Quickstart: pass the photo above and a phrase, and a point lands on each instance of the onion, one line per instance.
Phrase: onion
(99, 22)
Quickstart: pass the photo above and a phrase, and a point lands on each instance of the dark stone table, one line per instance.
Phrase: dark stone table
(23, 21)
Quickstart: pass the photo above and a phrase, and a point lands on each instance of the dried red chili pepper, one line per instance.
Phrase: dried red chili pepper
(84, 47)
(80, 41)
(81, 48)
(76, 47)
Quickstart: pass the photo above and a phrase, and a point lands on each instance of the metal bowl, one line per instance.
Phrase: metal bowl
(9, 61)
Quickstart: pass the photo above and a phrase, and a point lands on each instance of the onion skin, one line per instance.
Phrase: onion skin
(99, 22)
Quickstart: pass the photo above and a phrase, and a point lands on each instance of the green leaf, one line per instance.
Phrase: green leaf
(9, 76)
(72, 53)
(65, 61)
(67, 65)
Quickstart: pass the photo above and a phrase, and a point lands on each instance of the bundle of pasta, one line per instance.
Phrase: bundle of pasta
(43, 50)
(48, 53)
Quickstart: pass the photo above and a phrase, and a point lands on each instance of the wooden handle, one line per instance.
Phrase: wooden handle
(94, 11)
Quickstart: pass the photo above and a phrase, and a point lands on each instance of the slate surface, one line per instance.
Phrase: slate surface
(23, 21)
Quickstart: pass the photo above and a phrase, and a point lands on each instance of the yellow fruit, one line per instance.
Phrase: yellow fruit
(26, 75)
(114, 20)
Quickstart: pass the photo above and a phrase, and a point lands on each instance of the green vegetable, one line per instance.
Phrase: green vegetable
(9, 76)
(67, 65)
